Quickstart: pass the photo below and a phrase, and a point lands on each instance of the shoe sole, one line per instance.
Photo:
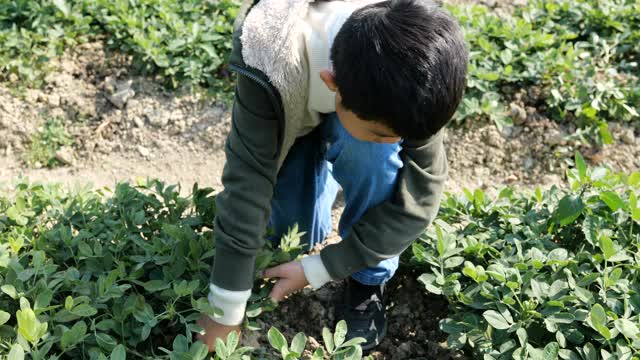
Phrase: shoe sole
(379, 340)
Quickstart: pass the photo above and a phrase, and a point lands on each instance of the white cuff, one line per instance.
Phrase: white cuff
(315, 271)
(232, 304)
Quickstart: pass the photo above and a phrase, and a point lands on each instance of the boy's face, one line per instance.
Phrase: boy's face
(360, 129)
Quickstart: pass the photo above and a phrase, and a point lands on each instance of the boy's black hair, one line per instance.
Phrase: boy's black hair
(402, 63)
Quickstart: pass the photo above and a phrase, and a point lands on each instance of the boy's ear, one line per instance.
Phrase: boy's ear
(329, 79)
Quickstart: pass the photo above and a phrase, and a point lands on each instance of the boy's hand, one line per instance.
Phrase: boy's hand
(213, 330)
(290, 276)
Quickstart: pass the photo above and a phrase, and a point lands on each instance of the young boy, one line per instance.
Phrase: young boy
(330, 94)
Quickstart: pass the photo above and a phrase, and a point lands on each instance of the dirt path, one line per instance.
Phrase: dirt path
(127, 126)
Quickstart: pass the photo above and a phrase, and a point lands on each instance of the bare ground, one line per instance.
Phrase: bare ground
(127, 126)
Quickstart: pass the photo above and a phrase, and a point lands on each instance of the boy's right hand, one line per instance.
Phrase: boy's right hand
(213, 330)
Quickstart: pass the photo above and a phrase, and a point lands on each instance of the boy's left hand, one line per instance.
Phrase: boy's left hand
(290, 276)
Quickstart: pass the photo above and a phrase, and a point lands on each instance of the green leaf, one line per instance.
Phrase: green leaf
(628, 328)
(16, 353)
(29, 326)
(598, 315)
(522, 336)
(232, 342)
(298, 343)
(328, 339)
(118, 353)
(599, 321)
(605, 134)
(612, 200)
(318, 354)
(581, 166)
(453, 261)
(221, 349)
(276, 339)
(84, 310)
(551, 351)
(496, 320)
(569, 209)
(62, 6)
(340, 334)
(156, 285)
(590, 352)
(9, 290)
(4, 317)
(106, 341)
(68, 303)
(353, 342)
(634, 179)
(74, 335)
(606, 244)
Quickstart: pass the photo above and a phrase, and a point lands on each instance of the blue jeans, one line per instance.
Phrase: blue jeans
(309, 179)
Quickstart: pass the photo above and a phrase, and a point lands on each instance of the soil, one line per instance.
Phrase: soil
(128, 126)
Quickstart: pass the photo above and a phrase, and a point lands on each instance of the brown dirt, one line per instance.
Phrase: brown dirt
(178, 136)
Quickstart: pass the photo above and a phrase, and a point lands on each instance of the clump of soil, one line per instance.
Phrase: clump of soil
(109, 110)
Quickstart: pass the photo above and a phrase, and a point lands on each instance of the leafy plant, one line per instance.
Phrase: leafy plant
(548, 275)
(185, 42)
(99, 274)
(581, 56)
(335, 346)
(46, 142)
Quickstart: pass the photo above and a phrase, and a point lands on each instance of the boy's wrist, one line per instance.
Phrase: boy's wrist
(315, 271)
(232, 303)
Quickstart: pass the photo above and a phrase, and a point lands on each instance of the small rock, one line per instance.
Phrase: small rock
(508, 131)
(403, 351)
(251, 338)
(313, 343)
(518, 114)
(53, 100)
(139, 123)
(144, 151)
(324, 294)
(528, 162)
(401, 310)
(555, 137)
(316, 310)
(628, 137)
(158, 118)
(65, 155)
(511, 179)
(494, 139)
(119, 92)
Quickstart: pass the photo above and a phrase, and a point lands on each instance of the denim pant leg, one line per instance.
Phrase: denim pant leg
(307, 185)
(367, 172)
(304, 191)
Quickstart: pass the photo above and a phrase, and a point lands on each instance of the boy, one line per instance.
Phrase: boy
(334, 93)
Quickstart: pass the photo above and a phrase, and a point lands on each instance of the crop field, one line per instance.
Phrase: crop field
(113, 117)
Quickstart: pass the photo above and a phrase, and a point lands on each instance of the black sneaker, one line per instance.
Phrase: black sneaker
(363, 309)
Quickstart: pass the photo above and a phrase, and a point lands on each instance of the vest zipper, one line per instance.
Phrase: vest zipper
(277, 104)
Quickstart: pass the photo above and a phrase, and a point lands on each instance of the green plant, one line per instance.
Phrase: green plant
(184, 42)
(229, 350)
(46, 142)
(99, 274)
(335, 346)
(548, 275)
(581, 56)
(34, 31)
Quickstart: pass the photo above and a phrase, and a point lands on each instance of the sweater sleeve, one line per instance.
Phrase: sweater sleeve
(388, 229)
(249, 176)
